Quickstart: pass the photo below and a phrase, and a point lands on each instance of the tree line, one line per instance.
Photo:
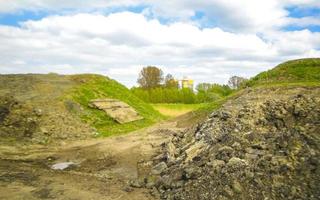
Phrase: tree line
(155, 88)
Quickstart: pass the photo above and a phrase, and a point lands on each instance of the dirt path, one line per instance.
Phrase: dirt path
(103, 170)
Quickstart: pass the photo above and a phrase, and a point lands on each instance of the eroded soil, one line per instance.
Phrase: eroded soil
(104, 167)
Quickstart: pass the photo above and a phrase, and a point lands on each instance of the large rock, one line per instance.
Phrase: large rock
(118, 110)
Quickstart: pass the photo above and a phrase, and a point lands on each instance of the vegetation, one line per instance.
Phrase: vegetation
(165, 95)
(212, 92)
(170, 82)
(174, 110)
(206, 92)
(150, 77)
(152, 90)
(302, 70)
(236, 81)
(171, 101)
(96, 86)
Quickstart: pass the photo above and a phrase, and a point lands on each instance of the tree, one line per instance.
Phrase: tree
(150, 77)
(236, 81)
(203, 87)
(170, 82)
(207, 92)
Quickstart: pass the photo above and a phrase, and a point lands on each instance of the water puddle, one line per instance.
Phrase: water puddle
(62, 165)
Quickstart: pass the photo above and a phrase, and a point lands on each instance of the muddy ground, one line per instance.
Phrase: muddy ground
(104, 168)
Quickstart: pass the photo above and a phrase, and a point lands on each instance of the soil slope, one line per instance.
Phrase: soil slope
(263, 144)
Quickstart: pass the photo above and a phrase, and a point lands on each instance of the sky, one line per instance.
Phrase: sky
(206, 40)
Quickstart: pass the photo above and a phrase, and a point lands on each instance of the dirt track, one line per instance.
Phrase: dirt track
(105, 167)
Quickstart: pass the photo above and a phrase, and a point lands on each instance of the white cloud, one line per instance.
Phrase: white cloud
(240, 15)
(119, 44)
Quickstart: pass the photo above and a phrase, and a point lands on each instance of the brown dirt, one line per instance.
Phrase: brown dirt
(105, 167)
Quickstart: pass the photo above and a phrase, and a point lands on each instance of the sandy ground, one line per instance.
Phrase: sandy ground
(103, 170)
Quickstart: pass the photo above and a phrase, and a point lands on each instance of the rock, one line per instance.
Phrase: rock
(236, 163)
(38, 112)
(118, 110)
(144, 168)
(194, 150)
(136, 184)
(44, 131)
(248, 158)
(155, 193)
(255, 151)
(225, 115)
(166, 181)
(159, 168)
(127, 189)
(228, 191)
(236, 186)
(224, 153)
(217, 164)
(190, 173)
(170, 151)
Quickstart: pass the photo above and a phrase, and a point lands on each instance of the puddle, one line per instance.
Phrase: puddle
(62, 165)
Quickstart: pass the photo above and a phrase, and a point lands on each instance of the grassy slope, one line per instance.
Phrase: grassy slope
(95, 86)
(302, 71)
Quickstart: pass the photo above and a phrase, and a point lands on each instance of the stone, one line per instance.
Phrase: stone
(136, 184)
(224, 153)
(194, 150)
(118, 110)
(159, 168)
(255, 151)
(170, 151)
(225, 115)
(190, 173)
(127, 189)
(235, 162)
(236, 186)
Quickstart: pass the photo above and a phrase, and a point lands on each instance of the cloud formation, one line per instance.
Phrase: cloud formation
(241, 42)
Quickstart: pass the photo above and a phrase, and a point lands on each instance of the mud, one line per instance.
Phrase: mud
(104, 169)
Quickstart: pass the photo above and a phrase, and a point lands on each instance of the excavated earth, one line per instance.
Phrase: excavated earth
(262, 144)
(31, 110)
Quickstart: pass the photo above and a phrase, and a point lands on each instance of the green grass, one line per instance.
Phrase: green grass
(96, 86)
(295, 71)
(174, 110)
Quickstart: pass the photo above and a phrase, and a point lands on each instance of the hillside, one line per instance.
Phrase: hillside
(44, 108)
(294, 71)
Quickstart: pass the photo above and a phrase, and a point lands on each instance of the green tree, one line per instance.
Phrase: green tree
(170, 82)
(236, 81)
(150, 77)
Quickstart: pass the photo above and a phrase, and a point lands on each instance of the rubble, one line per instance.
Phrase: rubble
(261, 145)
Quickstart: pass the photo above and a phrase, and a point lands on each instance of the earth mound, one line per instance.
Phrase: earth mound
(293, 71)
(263, 144)
(43, 108)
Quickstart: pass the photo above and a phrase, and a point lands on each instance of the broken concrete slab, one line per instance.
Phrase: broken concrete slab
(118, 110)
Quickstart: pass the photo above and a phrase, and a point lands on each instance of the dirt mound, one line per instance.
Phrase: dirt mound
(262, 145)
(32, 109)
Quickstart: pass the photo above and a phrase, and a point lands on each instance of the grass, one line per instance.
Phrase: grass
(96, 86)
(174, 110)
(305, 71)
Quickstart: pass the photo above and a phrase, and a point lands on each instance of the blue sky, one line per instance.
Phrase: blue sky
(207, 40)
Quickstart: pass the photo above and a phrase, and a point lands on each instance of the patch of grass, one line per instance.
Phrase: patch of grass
(294, 71)
(174, 110)
(96, 86)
